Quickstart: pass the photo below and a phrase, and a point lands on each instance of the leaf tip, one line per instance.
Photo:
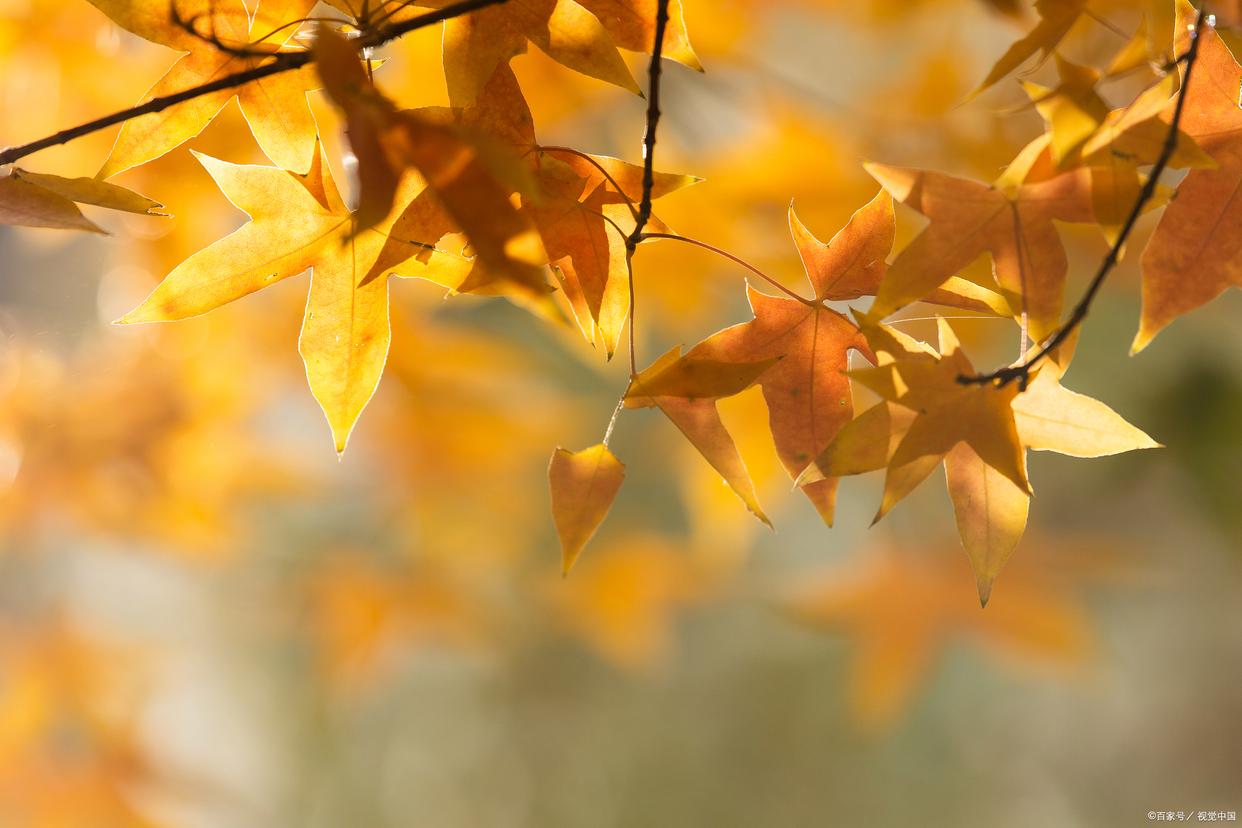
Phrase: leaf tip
(137, 316)
(1142, 339)
(985, 591)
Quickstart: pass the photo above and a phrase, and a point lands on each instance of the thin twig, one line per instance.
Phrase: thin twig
(629, 275)
(1022, 371)
(810, 303)
(616, 413)
(653, 121)
(649, 143)
(280, 63)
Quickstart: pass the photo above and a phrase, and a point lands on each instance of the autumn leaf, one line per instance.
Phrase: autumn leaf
(299, 223)
(900, 433)
(806, 391)
(1192, 257)
(991, 513)
(40, 200)
(470, 183)
(1012, 222)
(805, 343)
(1110, 144)
(584, 485)
(1051, 417)
(686, 391)
(1056, 17)
(584, 214)
(990, 505)
(275, 107)
(853, 264)
(582, 36)
(582, 206)
(947, 413)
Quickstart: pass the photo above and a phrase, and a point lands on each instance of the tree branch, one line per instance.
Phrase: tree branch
(1022, 371)
(649, 142)
(653, 121)
(280, 63)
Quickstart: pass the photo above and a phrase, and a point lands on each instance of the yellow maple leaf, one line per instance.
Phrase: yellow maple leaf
(299, 223)
(275, 107)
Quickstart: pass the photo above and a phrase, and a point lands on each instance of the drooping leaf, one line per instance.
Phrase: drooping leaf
(991, 512)
(29, 205)
(584, 485)
(686, 391)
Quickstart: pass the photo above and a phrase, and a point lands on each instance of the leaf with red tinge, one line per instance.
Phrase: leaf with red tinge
(471, 181)
(584, 485)
(968, 218)
(1192, 256)
(582, 36)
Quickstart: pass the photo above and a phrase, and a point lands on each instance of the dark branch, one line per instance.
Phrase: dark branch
(653, 121)
(280, 63)
(1022, 371)
(643, 215)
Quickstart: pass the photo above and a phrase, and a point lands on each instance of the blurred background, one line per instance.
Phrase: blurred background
(207, 620)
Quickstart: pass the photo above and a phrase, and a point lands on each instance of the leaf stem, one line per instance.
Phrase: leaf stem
(1022, 371)
(811, 303)
(590, 159)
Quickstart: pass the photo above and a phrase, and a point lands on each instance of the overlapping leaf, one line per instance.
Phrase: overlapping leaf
(300, 223)
(40, 200)
(1056, 18)
(581, 34)
(580, 204)
(1110, 144)
(981, 433)
(275, 107)
(1013, 222)
(469, 182)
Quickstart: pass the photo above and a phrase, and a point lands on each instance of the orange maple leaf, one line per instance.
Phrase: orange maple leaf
(1192, 256)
